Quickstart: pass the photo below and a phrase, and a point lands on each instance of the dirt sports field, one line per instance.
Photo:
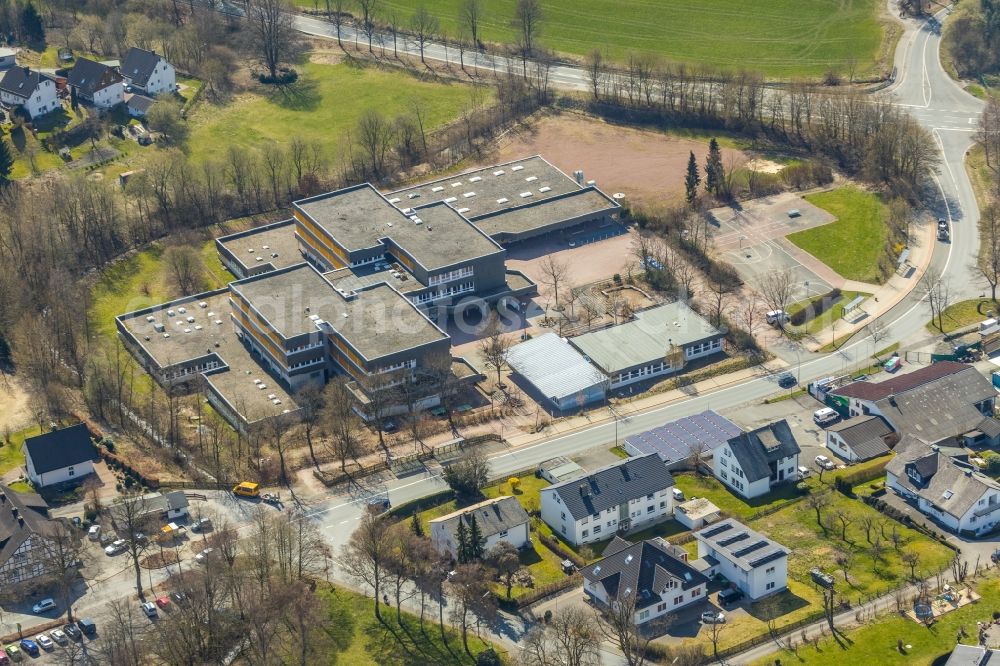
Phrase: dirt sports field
(647, 166)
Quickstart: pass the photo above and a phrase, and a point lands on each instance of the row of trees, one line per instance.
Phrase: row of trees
(971, 38)
(867, 137)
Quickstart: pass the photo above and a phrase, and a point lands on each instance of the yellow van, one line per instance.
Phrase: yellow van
(247, 489)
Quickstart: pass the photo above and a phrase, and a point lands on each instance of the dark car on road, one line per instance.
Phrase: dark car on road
(786, 380)
(87, 626)
(730, 596)
(72, 631)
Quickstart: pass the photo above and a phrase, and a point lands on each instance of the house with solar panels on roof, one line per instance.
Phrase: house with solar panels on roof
(636, 492)
(653, 573)
(678, 441)
(749, 560)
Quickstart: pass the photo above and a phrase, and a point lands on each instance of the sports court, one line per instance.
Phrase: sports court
(752, 239)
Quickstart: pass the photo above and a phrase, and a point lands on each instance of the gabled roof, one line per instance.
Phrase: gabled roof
(755, 450)
(21, 81)
(741, 545)
(942, 408)
(972, 655)
(89, 76)
(864, 435)
(949, 486)
(643, 569)
(676, 440)
(872, 391)
(613, 485)
(139, 65)
(23, 515)
(60, 448)
(140, 103)
(492, 516)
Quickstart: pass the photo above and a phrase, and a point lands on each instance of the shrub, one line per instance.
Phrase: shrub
(284, 77)
(561, 551)
(816, 307)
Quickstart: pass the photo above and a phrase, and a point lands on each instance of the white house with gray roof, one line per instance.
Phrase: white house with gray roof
(749, 560)
(860, 438)
(751, 463)
(148, 72)
(30, 90)
(954, 494)
(652, 574)
(633, 493)
(499, 519)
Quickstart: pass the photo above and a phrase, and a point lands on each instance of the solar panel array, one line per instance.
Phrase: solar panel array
(675, 441)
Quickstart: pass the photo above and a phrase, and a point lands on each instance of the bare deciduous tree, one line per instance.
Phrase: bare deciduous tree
(274, 34)
(341, 422)
(495, 346)
(366, 555)
(424, 26)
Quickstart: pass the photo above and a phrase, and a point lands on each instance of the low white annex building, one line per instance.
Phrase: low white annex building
(499, 519)
(620, 497)
(749, 560)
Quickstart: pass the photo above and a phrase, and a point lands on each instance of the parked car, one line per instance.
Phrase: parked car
(14, 653)
(30, 646)
(178, 597)
(204, 555)
(59, 636)
(713, 617)
(678, 494)
(201, 525)
(730, 596)
(117, 546)
(94, 533)
(44, 606)
(825, 462)
(786, 380)
(4, 659)
(804, 472)
(149, 608)
(44, 641)
(777, 317)
(87, 626)
(163, 601)
(72, 631)
(246, 489)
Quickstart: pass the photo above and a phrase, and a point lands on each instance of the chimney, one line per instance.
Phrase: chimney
(892, 399)
(968, 472)
(13, 511)
(583, 490)
(935, 448)
(20, 521)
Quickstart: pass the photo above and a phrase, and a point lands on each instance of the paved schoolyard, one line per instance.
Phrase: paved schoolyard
(752, 239)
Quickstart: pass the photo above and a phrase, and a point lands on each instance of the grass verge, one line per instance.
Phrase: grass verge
(962, 314)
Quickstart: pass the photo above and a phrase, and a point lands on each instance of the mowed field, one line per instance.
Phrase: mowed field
(324, 107)
(781, 38)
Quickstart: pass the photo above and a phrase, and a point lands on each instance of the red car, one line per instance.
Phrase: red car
(163, 602)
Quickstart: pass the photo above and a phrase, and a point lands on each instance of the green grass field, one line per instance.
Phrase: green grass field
(323, 108)
(876, 642)
(781, 38)
(353, 635)
(963, 313)
(817, 324)
(853, 244)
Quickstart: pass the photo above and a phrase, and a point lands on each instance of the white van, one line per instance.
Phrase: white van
(825, 416)
(777, 317)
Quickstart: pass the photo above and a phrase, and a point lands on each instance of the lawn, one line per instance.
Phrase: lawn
(697, 485)
(964, 313)
(323, 108)
(875, 643)
(818, 323)
(355, 637)
(142, 280)
(854, 244)
(10, 452)
(781, 38)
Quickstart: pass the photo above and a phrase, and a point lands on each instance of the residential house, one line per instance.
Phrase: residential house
(26, 538)
(60, 456)
(25, 88)
(138, 105)
(954, 494)
(148, 73)
(943, 403)
(96, 83)
(677, 442)
(498, 519)
(653, 575)
(749, 560)
(633, 493)
(151, 508)
(860, 438)
(753, 462)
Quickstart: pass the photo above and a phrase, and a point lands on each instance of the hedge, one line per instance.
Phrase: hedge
(561, 550)
(540, 593)
(816, 307)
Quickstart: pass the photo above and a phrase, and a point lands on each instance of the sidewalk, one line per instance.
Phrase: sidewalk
(884, 297)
